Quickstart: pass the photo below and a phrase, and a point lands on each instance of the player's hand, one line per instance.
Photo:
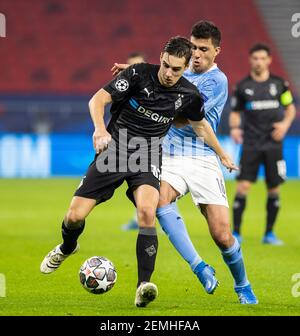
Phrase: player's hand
(117, 68)
(101, 139)
(237, 135)
(280, 129)
(228, 163)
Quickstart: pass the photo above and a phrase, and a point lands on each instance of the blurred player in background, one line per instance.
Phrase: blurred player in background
(261, 96)
(136, 57)
(137, 115)
(195, 169)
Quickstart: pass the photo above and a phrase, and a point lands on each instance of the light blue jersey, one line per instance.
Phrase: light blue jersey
(213, 86)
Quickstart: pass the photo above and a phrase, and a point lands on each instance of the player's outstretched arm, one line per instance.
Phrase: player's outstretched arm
(204, 130)
(236, 132)
(101, 137)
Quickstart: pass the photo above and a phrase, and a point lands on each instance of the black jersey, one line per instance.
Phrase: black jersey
(262, 104)
(145, 108)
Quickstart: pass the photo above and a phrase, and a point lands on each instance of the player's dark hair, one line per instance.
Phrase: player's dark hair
(258, 47)
(206, 30)
(180, 47)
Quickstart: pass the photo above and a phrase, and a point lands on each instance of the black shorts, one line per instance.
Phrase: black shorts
(101, 186)
(271, 158)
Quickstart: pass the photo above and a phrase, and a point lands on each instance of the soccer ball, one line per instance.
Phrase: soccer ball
(97, 275)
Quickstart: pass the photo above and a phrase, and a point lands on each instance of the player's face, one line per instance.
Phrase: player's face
(260, 61)
(204, 54)
(171, 69)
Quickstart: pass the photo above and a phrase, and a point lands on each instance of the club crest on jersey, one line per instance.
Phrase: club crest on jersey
(273, 89)
(178, 102)
(249, 92)
(122, 85)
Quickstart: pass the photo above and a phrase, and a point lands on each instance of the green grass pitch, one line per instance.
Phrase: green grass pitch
(31, 212)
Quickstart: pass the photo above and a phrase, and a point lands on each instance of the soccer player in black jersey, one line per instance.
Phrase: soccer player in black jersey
(146, 99)
(268, 109)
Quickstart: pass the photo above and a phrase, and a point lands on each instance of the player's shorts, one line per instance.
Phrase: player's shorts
(101, 186)
(199, 175)
(271, 158)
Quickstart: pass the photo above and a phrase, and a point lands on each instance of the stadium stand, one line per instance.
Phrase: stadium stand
(58, 53)
(67, 47)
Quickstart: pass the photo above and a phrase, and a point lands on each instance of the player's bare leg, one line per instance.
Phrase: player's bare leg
(146, 199)
(72, 227)
(272, 207)
(239, 206)
(173, 225)
(167, 194)
(217, 217)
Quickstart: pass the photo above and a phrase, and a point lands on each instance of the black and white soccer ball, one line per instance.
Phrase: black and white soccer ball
(97, 275)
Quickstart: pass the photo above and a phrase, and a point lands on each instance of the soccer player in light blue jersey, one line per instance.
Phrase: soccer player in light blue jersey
(191, 166)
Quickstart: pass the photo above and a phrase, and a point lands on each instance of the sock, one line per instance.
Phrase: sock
(272, 210)
(234, 259)
(70, 236)
(173, 225)
(146, 250)
(238, 209)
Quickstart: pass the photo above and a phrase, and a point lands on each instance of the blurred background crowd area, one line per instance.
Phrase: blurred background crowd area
(58, 53)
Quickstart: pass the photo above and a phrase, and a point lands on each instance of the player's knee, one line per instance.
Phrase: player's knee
(243, 187)
(223, 239)
(146, 215)
(74, 216)
(163, 200)
(273, 192)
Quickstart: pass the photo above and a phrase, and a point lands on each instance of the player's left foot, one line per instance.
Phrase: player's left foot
(246, 295)
(206, 275)
(270, 238)
(145, 293)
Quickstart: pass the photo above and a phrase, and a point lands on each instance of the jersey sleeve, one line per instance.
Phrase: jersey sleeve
(195, 109)
(286, 97)
(237, 101)
(207, 93)
(123, 85)
(212, 92)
